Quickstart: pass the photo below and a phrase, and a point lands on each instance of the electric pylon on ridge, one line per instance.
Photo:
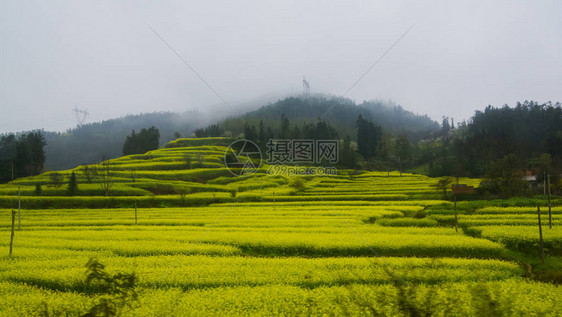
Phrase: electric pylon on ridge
(305, 87)
(81, 115)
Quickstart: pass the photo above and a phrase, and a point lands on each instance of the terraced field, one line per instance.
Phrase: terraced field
(203, 242)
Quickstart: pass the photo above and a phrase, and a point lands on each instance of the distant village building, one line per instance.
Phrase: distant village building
(531, 179)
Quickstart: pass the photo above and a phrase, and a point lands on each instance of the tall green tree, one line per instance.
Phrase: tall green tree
(347, 156)
(22, 156)
(403, 152)
(261, 134)
(321, 130)
(72, 185)
(250, 132)
(445, 127)
(505, 176)
(285, 128)
(7, 156)
(213, 130)
(368, 137)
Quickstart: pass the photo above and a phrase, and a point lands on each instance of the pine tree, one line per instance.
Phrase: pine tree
(284, 127)
(38, 189)
(261, 134)
(250, 132)
(346, 158)
(72, 185)
(368, 137)
(403, 152)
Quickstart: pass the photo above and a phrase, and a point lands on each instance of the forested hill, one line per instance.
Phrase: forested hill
(93, 142)
(394, 118)
(518, 137)
(340, 113)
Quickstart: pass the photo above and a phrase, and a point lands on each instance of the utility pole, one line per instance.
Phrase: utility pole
(19, 208)
(540, 234)
(456, 219)
(12, 236)
(549, 208)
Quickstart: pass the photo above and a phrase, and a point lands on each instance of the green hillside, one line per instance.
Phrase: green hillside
(202, 241)
(93, 142)
(191, 172)
(341, 113)
(96, 141)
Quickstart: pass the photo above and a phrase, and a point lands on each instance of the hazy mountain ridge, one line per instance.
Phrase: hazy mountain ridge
(341, 113)
(94, 142)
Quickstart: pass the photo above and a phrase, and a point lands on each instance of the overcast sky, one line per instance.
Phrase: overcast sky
(102, 56)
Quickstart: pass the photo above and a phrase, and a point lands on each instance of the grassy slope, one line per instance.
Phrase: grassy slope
(207, 242)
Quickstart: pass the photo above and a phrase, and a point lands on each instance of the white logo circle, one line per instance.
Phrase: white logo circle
(242, 157)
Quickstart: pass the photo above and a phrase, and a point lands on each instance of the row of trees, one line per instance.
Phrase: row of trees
(57, 180)
(142, 142)
(103, 174)
(373, 149)
(91, 142)
(21, 156)
(511, 140)
(527, 131)
(502, 145)
(341, 113)
(368, 137)
(321, 130)
(213, 130)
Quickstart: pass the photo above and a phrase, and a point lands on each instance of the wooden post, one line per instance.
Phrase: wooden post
(456, 219)
(12, 236)
(135, 212)
(549, 208)
(540, 234)
(19, 208)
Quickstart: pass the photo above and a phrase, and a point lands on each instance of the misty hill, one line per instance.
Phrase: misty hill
(94, 142)
(341, 113)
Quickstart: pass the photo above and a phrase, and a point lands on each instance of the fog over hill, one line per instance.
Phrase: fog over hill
(102, 56)
(341, 113)
(93, 142)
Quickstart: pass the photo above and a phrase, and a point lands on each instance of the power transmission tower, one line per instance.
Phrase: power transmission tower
(305, 87)
(81, 116)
